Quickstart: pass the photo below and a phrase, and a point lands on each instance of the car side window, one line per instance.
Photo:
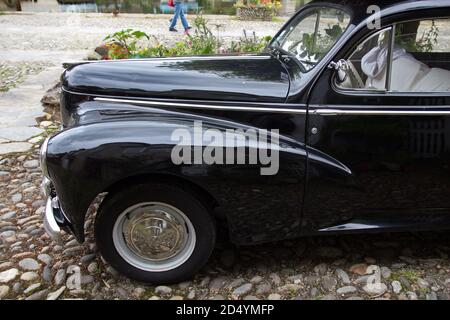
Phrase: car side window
(421, 56)
(416, 61)
(367, 67)
(310, 37)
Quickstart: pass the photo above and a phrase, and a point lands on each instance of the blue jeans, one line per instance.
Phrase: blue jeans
(179, 12)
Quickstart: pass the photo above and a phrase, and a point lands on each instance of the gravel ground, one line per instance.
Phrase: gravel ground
(32, 42)
(73, 31)
(32, 266)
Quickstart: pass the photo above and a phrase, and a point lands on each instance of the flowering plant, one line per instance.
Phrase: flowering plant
(268, 4)
(131, 44)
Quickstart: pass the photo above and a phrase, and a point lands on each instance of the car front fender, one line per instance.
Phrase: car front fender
(85, 161)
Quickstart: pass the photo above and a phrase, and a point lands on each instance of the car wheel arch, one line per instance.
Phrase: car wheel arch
(193, 188)
(197, 191)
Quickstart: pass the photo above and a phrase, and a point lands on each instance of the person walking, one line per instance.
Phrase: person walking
(179, 12)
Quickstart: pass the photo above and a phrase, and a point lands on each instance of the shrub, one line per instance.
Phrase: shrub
(124, 42)
(203, 41)
(267, 4)
(250, 44)
(129, 43)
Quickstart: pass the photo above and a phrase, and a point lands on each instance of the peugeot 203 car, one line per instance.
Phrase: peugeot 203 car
(354, 99)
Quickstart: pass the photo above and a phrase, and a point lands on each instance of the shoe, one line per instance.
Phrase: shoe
(188, 28)
(173, 30)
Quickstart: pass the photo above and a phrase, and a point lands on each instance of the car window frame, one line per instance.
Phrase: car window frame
(310, 9)
(388, 91)
(421, 93)
(364, 90)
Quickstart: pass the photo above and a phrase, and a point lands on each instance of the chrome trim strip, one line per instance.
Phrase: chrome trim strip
(200, 102)
(377, 107)
(350, 226)
(334, 111)
(68, 64)
(204, 57)
(202, 106)
(338, 112)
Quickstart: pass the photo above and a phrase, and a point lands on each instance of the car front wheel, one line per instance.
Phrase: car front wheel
(155, 233)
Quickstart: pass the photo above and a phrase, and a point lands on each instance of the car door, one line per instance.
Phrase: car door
(388, 125)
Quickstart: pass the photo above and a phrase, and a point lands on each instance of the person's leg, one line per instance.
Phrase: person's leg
(175, 16)
(183, 18)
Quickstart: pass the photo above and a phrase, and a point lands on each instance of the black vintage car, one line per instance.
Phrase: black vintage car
(354, 100)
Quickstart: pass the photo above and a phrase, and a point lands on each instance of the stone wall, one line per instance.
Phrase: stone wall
(263, 14)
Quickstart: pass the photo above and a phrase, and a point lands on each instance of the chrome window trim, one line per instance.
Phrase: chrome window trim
(360, 91)
(390, 58)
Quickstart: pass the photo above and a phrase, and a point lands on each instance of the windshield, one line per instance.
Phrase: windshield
(312, 35)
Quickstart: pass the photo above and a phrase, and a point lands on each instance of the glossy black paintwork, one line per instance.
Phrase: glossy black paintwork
(399, 164)
(246, 78)
(358, 173)
(114, 145)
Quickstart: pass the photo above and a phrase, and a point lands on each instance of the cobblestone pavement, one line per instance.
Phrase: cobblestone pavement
(379, 266)
(32, 266)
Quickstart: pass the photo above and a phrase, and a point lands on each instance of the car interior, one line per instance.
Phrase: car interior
(419, 64)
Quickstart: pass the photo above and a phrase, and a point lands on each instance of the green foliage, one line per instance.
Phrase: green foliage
(315, 45)
(203, 42)
(322, 42)
(426, 43)
(250, 44)
(131, 43)
(268, 4)
(334, 31)
(159, 51)
(181, 48)
(128, 39)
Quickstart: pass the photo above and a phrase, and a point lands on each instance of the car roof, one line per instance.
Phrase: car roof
(359, 8)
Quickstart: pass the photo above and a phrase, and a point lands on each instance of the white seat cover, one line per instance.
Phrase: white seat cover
(405, 73)
(435, 80)
(408, 74)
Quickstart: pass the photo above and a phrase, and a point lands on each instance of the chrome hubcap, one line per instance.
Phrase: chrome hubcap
(154, 236)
